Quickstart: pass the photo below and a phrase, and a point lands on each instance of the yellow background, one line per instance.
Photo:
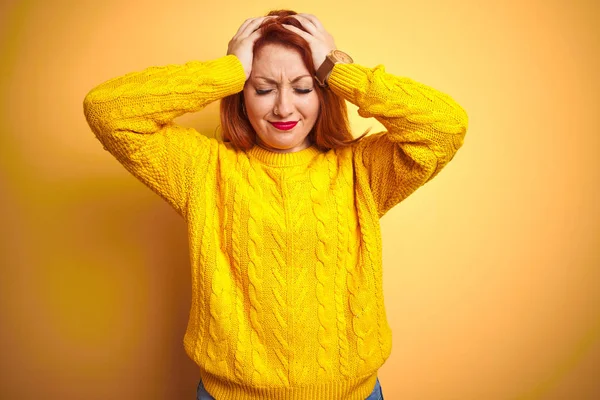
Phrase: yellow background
(491, 271)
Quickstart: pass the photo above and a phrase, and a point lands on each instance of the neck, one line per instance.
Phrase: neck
(304, 145)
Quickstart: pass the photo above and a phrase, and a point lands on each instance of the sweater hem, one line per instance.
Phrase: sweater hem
(353, 389)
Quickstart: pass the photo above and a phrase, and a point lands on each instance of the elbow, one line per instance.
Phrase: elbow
(96, 117)
(462, 120)
(90, 109)
(96, 112)
(452, 125)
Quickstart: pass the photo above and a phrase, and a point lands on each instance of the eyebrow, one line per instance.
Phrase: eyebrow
(269, 80)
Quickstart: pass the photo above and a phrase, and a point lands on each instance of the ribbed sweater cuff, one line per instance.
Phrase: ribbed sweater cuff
(346, 78)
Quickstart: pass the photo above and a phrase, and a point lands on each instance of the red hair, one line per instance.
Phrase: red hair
(331, 129)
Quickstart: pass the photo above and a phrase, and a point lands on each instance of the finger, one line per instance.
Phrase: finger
(306, 36)
(243, 26)
(250, 26)
(235, 44)
(314, 20)
(253, 37)
(306, 23)
(245, 32)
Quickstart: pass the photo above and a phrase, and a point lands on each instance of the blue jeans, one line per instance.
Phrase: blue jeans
(202, 394)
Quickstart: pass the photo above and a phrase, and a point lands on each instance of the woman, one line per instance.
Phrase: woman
(283, 215)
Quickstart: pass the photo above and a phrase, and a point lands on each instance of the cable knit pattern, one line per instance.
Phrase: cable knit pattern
(320, 183)
(285, 249)
(279, 272)
(255, 274)
(242, 340)
(341, 271)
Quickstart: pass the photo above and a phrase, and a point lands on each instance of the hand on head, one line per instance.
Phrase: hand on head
(242, 44)
(320, 41)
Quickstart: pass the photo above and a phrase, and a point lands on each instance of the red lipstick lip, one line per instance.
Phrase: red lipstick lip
(284, 125)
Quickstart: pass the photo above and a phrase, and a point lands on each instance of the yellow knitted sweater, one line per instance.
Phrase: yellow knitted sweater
(287, 299)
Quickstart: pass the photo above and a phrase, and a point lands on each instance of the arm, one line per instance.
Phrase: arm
(132, 116)
(425, 128)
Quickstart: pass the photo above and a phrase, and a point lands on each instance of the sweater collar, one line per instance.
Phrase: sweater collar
(283, 159)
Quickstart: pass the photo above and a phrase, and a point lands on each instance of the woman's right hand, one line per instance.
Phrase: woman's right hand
(242, 44)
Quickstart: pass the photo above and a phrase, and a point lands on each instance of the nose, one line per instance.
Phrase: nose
(284, 105)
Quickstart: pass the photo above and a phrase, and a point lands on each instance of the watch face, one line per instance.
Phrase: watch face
(341, 56)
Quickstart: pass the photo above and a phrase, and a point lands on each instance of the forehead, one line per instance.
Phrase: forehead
(277, 60)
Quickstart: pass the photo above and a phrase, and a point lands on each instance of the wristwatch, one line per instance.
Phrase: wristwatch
(336, 56)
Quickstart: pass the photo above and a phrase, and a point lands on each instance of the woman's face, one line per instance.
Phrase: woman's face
(280, 99)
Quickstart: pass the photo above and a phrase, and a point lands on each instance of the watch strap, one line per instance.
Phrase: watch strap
(324, 71)
(334, 57)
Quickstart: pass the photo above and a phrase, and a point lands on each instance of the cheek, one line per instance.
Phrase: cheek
(257, 107)
(311, 107)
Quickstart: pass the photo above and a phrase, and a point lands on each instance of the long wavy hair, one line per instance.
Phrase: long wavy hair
(331, 129)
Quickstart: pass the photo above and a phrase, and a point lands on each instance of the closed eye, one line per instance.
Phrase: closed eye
(261, 92)
(267, 91)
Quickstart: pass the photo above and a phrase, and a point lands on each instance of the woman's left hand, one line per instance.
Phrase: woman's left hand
(320, 41)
